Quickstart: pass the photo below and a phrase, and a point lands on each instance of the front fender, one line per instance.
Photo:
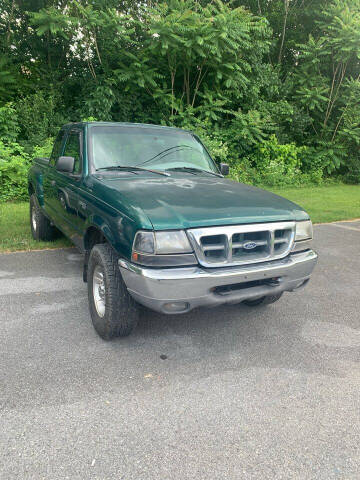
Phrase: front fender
(102, 225)
(118, 231)
(35, 184)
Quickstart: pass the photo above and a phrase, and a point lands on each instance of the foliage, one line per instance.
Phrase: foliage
(43, 150)
(14, 163)
(200, 56)
(7, 79)
(272, 87)
(9, 124)
(14, 159)
(275, 164)
(40, 118)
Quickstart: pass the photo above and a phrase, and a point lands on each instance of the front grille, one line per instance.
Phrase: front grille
(242, 244)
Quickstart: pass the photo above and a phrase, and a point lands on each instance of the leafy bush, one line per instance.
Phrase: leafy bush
(43, 150)
(353, 173)
(40, 118)
(9, 123)
(275, 164)
(14, 164)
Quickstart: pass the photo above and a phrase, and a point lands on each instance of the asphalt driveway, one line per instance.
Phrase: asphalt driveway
(239, 393)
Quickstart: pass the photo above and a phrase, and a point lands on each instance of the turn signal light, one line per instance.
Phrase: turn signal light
(135, 256)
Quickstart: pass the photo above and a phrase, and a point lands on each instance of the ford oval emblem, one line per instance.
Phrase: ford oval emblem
(249, 245)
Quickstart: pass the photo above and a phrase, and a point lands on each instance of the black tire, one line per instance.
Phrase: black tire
(41, 228)
(263, 300)
(121, 312)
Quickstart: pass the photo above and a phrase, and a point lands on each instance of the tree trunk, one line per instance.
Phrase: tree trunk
(286, 8)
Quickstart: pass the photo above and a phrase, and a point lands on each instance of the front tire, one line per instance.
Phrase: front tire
(41, 228)
(114, 313)
(263, 300)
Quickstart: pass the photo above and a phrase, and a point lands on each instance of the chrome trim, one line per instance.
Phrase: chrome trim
(195, 285)
(196, 234)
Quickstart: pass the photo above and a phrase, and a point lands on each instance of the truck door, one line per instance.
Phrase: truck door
(69, 206)
(49, 178)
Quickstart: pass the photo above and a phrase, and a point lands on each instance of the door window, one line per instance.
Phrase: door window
(72, 149)
(56, 151)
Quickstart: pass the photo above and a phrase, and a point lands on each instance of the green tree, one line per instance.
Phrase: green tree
(326, 82)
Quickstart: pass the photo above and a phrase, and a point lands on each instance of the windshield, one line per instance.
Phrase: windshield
(156, 148)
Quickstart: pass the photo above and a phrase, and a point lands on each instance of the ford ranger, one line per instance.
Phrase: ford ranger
(161, 227)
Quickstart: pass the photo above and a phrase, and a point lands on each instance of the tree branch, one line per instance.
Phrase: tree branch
(286, 7)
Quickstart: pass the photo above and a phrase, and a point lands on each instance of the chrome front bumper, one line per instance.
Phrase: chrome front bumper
(179, 290)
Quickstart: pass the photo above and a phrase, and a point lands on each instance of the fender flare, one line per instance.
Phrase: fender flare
(98, 223)
(35, 187)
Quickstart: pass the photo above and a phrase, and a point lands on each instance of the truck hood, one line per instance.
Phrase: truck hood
(187, 201)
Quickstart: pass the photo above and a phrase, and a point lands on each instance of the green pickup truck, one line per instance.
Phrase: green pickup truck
(161, 227)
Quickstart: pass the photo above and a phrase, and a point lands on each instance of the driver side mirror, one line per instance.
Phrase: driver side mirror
(65, 164)
(224, 169)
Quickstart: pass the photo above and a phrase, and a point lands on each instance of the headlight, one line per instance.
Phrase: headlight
(303, 236)
(166, 248)
(304, 231)
(172, 242)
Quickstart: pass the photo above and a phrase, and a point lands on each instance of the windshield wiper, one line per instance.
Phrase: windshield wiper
(166, 150)
(134, 169)
(193, 170)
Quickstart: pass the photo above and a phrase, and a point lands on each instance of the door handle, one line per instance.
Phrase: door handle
(52, 182)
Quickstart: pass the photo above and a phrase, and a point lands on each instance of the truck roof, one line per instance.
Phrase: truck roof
(126, 124)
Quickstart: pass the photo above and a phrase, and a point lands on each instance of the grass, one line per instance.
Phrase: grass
(327, 203)
(324, 204)
(15, 231)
